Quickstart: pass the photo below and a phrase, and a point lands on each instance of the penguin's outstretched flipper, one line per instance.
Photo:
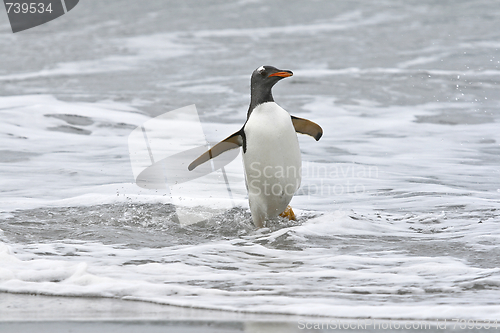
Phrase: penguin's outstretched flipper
(233, 141)
(308, 127)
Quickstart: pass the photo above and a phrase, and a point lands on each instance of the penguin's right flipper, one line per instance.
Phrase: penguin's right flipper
(233, 141)
(308, 127)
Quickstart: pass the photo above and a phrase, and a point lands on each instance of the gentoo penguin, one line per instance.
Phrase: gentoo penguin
(271, 153)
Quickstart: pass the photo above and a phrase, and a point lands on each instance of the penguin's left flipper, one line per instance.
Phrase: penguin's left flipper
(308, 127)
(233, 141)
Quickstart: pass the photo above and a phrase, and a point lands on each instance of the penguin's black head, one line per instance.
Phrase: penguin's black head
(263, 79)
(267, 76)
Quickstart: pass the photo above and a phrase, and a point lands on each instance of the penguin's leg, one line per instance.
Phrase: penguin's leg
(258, 221)
(258, 218)
(258, 213)
(288, 213)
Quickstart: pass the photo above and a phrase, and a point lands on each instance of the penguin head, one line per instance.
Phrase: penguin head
(263, 79)
(266, 76)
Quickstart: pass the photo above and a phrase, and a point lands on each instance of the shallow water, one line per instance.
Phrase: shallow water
(399, 204)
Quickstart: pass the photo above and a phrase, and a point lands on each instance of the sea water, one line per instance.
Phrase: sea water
(398, 211)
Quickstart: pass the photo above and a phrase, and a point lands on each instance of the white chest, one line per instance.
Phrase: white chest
(271, 144)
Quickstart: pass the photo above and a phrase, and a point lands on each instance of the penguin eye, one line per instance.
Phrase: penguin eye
(262, 71)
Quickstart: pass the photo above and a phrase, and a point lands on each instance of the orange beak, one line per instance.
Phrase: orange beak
(282, 74)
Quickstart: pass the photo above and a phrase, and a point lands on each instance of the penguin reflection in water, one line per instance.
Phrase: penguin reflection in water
(271, 153)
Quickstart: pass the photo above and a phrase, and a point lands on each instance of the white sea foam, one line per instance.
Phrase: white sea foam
(320, 274)
(51, 134)
(139, 50)
(348, 21)
(241, 275)
(398, 208)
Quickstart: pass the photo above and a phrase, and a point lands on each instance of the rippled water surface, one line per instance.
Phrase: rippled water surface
(398, 212)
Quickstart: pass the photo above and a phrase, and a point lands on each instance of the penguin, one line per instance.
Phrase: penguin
(271, 154)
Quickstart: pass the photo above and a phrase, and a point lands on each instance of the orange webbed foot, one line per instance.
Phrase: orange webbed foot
(288, 213)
